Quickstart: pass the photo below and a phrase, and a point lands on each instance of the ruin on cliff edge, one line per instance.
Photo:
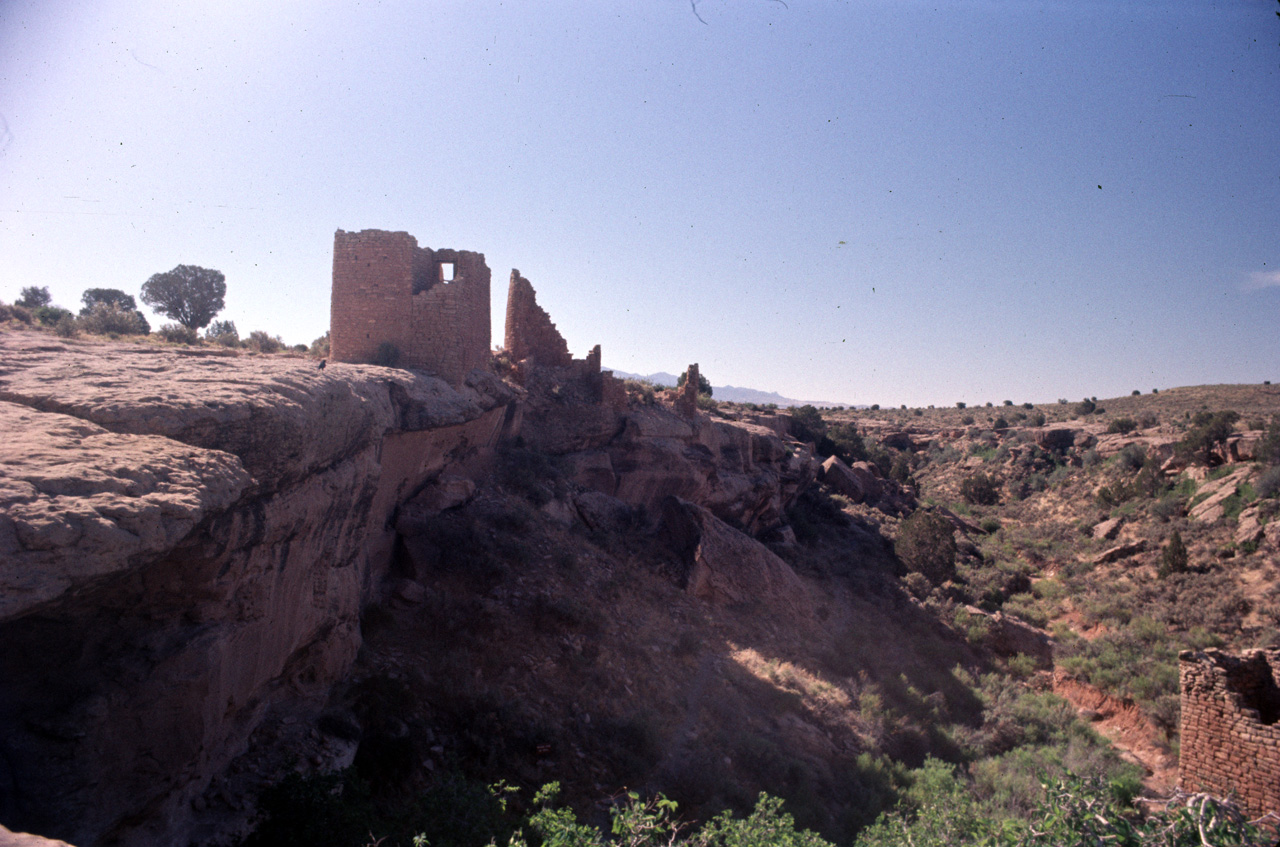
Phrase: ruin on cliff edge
(429, 309)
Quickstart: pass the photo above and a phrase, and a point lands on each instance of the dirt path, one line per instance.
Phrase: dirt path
(1133, 733)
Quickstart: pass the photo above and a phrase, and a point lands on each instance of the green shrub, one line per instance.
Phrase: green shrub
(1037, 419)
(980, 490)
(926, 544)
(1085, 407)
(900, 470)
(1173, 559)
(1122, 425)
(843, 440)
(1268, 483)
(1208, 430)
(320, 347)
(106, 296)
(107, 318)
(34, 298)
(177, 334)
(1268, 449)
(260, 342)
(50, 315)
(1132, 457)
(67, 326)
(704, 384)
(21, 314)
(224, 333)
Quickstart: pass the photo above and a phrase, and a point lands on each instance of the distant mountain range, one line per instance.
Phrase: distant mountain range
(731, 393)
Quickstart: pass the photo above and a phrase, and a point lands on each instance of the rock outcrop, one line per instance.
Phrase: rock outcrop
(1215, 492)
(745, 474)
(186, 541)
(724, 566)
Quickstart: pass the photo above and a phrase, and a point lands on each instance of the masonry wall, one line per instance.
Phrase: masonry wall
(372, 287)
(387, 289)
(530, 334)
(1230, 734)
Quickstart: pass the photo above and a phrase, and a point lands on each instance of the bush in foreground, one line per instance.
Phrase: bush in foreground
(1074, 813)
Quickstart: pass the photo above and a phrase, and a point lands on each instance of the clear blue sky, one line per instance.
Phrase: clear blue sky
(863, 201)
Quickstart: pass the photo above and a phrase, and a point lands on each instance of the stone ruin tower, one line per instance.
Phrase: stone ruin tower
(432, 305)
(1230, 734)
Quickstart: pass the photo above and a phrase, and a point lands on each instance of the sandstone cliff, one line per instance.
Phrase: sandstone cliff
(188, 537)
(186, 541)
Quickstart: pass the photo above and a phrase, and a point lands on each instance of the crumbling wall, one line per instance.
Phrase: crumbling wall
(1230, 737)
(432, 305)
(686, 402)
(530, 334)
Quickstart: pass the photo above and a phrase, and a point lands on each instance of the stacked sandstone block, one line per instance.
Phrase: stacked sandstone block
(530, 334)
(388, 290)
(1230, 735)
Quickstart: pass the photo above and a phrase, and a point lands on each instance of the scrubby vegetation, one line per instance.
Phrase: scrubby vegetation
(893, 716)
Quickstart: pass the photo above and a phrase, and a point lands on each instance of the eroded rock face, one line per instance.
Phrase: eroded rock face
(724, 565)
(186, 540)
(744, 473)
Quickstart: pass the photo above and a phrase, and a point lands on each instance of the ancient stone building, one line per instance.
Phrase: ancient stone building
(1230, 737)
(397, 303)
(530, 334)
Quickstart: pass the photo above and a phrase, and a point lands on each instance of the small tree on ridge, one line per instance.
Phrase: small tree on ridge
(189, 294)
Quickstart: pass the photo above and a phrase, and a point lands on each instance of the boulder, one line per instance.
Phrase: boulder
(1055, 439)
(1249, 529)
(1271, 533)
(1120, 551)
(445, 492)
(966, 526)
(1107, 529)
(591, 469)
(1210, 508)
(722, 565)
(600, 512)
(858, 483)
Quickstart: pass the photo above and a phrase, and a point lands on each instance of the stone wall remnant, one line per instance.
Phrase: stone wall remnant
(687, 399)
(1230, 734)
(530, 334)
(431, 305)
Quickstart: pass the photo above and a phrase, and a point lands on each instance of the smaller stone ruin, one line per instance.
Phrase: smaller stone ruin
(530, 333)
(687, 396)
(1230, 735)
(533, 342)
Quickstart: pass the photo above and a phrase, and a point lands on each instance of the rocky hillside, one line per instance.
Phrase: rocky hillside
(189, 540)
(219, 570)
